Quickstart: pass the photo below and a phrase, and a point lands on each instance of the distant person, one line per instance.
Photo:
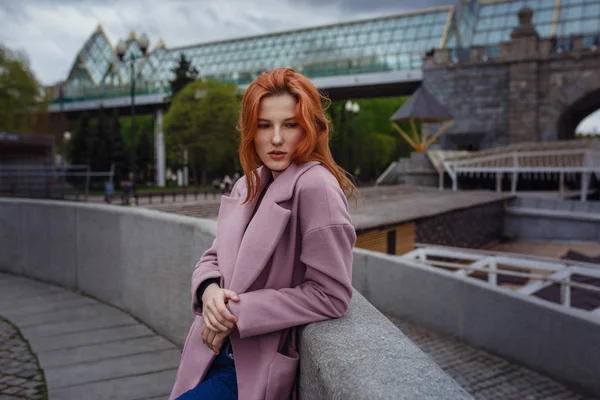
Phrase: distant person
(236, 177)
(283, 252)
(109, 191)
(126, 185)
(216, 184)
(228, 183)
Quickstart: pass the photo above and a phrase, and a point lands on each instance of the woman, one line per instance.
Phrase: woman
(283, 252)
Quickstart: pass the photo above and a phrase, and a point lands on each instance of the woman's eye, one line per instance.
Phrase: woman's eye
(292, 125)
(263, 126)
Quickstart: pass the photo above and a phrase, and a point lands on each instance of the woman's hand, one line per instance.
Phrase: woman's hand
(213, 340)
(217, 316)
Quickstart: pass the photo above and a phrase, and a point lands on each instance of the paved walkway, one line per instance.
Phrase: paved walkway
(484, 375)
(20, 373)
(88, 350)
(92, 351)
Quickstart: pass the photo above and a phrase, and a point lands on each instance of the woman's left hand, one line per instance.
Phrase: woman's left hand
(212, 339)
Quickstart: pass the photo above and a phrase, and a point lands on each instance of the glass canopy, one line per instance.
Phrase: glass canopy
(389, 43)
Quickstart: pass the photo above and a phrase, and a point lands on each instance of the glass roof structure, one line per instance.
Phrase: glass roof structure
(389, 43)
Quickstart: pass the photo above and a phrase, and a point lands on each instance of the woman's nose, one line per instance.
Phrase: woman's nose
(276, 138)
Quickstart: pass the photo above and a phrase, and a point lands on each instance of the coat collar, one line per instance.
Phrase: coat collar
(252, 242)
(282, 188)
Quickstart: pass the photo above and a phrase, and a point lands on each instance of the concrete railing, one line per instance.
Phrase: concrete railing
(549, 338)
(551, 219)
(141, 261)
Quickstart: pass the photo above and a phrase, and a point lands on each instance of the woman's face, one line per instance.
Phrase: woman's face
(278, 133)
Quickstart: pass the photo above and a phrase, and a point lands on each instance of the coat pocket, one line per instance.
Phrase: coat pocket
(282, 375)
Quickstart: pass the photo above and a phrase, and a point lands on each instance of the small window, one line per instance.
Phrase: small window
(391, 242)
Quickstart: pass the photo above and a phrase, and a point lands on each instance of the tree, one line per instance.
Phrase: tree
(19, 90)
(203, 119)
(374, 141)
(144, 156)
(116, 153)
(97, 142)
(184, 74)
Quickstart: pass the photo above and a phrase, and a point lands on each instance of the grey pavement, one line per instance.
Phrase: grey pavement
(484, 375)
(20, 373)
(86, 349)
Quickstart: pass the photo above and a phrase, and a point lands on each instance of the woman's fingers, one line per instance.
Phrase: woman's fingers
(221, 313)
(207, 322)
(227, 318)
(204, 334)
(218, 321)
(230, 294)
(209, 340)
(217, 340)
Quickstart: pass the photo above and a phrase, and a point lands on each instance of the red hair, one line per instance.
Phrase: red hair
(309, 114)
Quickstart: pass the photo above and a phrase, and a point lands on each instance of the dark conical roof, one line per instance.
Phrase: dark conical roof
(422, 107)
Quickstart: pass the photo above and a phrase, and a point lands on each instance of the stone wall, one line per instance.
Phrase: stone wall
(141, 261)
(471, 227)
(533, 90)
(477, 97)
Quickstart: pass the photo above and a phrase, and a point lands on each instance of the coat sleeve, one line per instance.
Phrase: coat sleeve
(208, 266)
(324, 294)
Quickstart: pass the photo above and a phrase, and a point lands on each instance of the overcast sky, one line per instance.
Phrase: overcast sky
(51, 32)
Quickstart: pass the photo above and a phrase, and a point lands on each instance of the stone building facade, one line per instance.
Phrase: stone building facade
(533, 90)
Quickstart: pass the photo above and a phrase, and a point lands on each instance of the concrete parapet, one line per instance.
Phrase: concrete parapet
(141, 261)
(550, 219)
(546, 337)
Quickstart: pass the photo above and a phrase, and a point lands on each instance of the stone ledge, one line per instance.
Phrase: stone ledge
(557, 214)
(364, 356)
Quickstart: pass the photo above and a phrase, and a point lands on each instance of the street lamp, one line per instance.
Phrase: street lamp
(63, 160)
(352, 109)
(130, 59)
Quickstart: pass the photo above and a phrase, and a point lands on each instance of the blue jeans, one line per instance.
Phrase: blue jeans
(220, 381)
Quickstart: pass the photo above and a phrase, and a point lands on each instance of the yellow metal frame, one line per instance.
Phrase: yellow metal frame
(555, 17)
(444, 37)
(417, 142)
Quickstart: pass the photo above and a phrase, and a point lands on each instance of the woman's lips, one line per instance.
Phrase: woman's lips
(277, 156)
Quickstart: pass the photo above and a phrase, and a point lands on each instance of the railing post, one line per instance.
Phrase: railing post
(561, 183)
(87, 183)
(492, 275)
(565, 292)
(515, 175)
(499, 182)
(585, 183)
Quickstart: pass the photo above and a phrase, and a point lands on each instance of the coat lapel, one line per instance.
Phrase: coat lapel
(258, 242)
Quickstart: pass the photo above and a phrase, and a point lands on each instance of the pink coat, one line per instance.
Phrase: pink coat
(291, 266)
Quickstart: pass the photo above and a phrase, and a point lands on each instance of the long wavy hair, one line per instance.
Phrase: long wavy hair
(309, 114)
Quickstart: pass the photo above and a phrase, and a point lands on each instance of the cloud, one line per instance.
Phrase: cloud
(52, 32)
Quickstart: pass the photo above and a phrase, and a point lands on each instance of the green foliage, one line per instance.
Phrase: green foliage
(19, 90)
(116, 150)
(369, 136)
(144, 156)
(184, 74)
(202, 119)
(80, 151)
